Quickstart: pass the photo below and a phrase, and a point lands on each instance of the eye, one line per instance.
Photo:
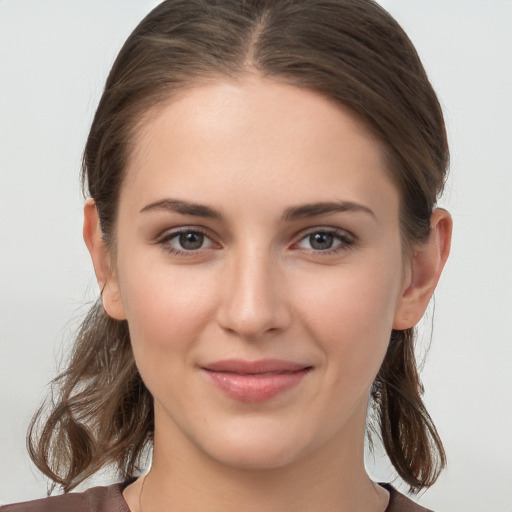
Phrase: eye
(326, 241)
(185, 241)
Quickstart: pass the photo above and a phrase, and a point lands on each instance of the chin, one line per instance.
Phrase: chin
(256, 458)
(261, 447)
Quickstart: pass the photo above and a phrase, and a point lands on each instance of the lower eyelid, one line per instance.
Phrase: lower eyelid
(165, 240)
(343, 237)
(170, 234)
(345, 241)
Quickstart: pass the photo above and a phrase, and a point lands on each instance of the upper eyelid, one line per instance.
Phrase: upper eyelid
(164, 241)
(170, 233)
(325, 229)
(346, 238)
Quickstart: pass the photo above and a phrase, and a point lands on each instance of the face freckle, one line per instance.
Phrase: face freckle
(258, 233)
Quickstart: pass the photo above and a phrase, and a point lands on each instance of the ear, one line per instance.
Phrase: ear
(426, 265)
(102, 261)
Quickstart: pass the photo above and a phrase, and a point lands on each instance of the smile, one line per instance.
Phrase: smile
(255, 381)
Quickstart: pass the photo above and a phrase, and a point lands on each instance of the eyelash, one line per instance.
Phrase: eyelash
(345, 239)
(164, 241)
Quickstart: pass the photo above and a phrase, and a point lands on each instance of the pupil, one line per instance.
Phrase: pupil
(191, 241)
(321, 241)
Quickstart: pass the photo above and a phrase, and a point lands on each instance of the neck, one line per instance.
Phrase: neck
(270, 492)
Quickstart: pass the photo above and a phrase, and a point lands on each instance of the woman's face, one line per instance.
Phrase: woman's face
(260, 267)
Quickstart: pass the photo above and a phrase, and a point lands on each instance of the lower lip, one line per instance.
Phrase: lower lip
(255, 388)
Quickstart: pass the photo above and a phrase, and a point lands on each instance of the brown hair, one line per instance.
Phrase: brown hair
(353, 52)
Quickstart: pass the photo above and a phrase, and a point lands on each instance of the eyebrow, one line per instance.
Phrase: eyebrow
(290, 214)
(315, 209)
(182, 207)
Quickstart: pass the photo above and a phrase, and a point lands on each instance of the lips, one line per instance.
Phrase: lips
(255, 381)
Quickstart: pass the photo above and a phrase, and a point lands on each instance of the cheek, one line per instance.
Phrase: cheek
(166, 307)
(350, 313)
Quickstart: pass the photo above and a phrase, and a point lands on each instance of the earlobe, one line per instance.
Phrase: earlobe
(102, 261)
(427, 263)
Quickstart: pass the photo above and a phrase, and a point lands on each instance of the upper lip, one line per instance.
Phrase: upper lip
(243, 367)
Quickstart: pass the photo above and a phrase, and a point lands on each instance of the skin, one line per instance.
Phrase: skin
(258, 287)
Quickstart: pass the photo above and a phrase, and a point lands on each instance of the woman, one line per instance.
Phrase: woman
(262, 179)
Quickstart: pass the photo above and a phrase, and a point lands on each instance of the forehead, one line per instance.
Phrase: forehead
(213, 140)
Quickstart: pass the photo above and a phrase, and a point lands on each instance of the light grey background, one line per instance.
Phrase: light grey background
(54, 56)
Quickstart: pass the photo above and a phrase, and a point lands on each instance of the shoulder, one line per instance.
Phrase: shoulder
(96, 499)
(401, 503)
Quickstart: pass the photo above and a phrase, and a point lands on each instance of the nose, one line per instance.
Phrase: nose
(254, 300)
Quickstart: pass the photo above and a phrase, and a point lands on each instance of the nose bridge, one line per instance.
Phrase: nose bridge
(253, 302)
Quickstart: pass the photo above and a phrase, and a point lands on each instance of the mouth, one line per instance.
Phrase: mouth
(255, 381)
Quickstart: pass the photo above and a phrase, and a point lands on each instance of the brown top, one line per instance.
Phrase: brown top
(110, 499)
